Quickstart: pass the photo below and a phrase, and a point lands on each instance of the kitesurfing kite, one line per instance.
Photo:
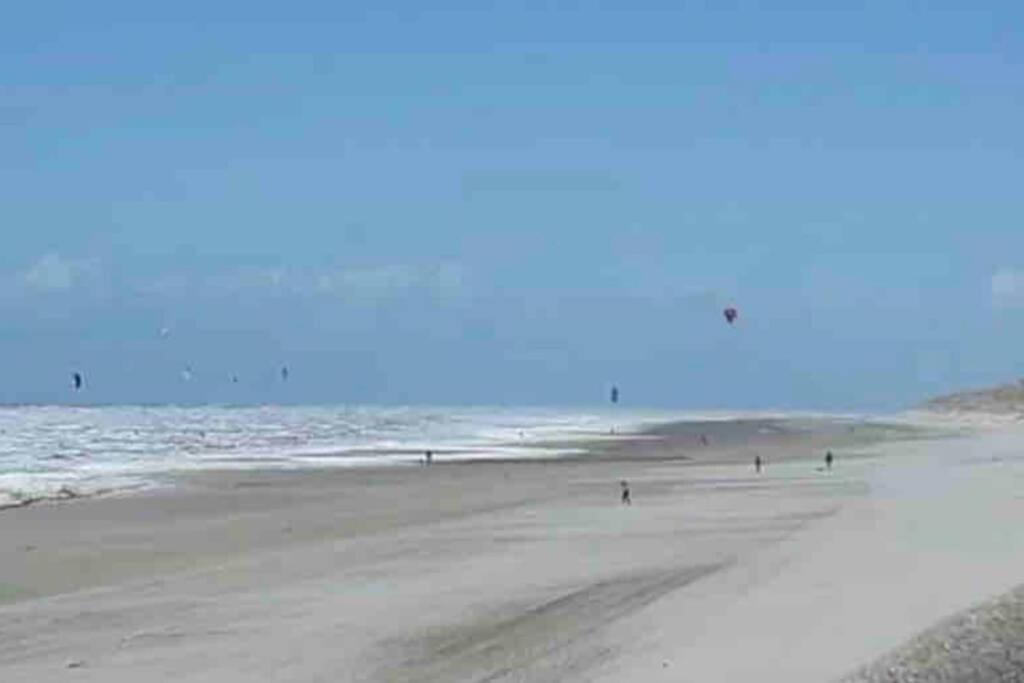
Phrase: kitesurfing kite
(615, 394)
(76, 379)
(284, 373)
(731, 314)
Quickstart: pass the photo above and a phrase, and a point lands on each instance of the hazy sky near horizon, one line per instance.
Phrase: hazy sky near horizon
(511, 202)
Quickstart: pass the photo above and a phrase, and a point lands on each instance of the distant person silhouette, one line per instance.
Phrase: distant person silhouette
(428, 458)
(757, 464)
(626, 500)
(828, 460)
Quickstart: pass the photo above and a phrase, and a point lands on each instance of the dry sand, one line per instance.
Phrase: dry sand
(524, 571)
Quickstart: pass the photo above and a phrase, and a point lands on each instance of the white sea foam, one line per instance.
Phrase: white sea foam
(66, 452)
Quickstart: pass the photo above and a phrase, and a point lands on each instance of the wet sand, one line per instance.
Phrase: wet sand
(483, 571)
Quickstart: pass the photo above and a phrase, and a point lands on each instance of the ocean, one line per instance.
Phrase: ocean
(55, 452)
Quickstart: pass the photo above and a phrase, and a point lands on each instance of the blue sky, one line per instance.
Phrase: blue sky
(511, 202)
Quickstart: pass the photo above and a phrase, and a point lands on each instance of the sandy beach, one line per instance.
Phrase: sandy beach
(511, 342)
(526, 570)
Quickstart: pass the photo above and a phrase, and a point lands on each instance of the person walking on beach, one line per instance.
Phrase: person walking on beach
(757, 464)
(828, 460)
(428, 458)
(626, 500)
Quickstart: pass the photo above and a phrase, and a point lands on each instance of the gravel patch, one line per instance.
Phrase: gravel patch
(984, 643)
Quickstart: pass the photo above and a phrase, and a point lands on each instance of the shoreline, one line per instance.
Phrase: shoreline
(591, 446)
(268, 490)
(528, 567)
(132, 447)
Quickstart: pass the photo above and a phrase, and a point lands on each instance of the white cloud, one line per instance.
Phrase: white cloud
(172, 285)
(451, 279)
(247, 279)
(377, 282)
(54, 273)
(443, 281)
(365, 284)
(1008, 287)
